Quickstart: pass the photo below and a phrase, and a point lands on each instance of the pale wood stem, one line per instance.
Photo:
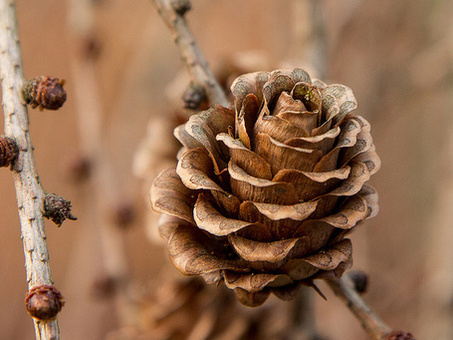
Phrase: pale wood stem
(190, 52)
(370, 321)
(29, 191)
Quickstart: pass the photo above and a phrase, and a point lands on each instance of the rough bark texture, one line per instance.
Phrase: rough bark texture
(190, 52)
(29, 191)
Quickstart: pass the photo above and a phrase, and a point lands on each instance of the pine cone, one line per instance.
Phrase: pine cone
(262, 199)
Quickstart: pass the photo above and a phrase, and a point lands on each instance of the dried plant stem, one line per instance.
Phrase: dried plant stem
(371, 322)
(190, 52)
(29, 191)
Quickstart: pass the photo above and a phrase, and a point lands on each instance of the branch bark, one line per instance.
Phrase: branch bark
(29, 191)
(190, 52)
(373, 325)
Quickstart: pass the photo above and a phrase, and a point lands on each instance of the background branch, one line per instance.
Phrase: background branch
(29, 191)
(107, 196)
(190, 52)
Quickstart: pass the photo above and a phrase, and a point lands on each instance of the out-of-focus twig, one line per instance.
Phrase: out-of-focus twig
(190, 52)
(309, 42)
(437, 298)
(373, 325)
(106, 192)
(29, 191)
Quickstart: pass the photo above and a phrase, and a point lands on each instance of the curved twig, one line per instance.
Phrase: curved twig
(29, 191)
(190, 52)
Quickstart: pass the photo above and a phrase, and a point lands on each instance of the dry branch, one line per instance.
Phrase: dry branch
(29, 191)
(190, 52)
(371, 322)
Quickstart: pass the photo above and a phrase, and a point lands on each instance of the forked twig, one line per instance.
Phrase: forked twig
(190, 52)
(29, 191)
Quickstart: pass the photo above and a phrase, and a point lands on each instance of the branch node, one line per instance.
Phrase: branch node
(44, 302)
(400, 335)
(194, 96)
(9, 151)
(57, 209)
(45, 93)
(181, 7)
(359, 280)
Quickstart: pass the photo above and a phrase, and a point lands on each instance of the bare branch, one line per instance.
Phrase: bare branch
(190, 52)
(29, 191)
(371, 322)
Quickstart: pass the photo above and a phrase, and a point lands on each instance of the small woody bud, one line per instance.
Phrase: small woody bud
(181, 6)
(194, 96)
(8, 151)
(400, 335)
(359, 280)
(45, 93)
(57, 209)
(44, 302)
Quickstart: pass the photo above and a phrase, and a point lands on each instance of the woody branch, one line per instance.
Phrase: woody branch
(370, 321)
(190, 52)
(29, 191)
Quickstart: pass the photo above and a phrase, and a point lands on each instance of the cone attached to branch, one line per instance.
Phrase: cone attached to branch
(264, 195)
(8, 151)
(44, 92)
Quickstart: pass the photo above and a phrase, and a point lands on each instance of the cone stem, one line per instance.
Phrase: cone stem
(303, 317)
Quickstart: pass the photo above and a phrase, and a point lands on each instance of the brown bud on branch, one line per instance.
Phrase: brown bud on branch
(45, 93)
(360, 280)
(400, 335)
(195, 96)
(181, 6)
(8, 151)
(44, 302)
(57, 209)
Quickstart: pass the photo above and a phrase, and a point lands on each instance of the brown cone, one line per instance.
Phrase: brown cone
(265, 206)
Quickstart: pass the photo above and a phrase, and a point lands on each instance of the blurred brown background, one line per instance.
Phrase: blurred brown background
(395, 55)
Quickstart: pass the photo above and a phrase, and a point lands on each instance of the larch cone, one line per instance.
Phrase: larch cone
(263, 195)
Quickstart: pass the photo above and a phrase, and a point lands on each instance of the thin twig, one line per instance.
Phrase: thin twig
(370, 321)
(29, 191)
(190, 52)
(309, 42)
